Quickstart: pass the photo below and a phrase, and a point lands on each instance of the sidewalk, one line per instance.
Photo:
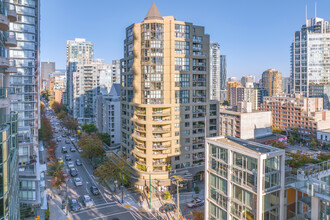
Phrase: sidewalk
(55, 206)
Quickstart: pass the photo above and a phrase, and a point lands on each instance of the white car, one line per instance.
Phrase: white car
(70, 164)
(88, 201)
(77, 181)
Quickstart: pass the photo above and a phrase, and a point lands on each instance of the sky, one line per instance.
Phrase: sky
(254, 34)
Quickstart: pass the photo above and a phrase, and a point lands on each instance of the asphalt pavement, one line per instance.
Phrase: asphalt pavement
(106, 207)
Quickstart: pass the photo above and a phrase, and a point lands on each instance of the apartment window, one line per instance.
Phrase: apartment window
(182, 96)
(187, 156)
(187, 148)
(176, 125)
(186, 124)
(177, 158)
(187, 116)
(177, 117)
(182, 47)
(182, 80)
(176, 109)
(182, 63)
(187, 140)
(177, 133)
(187, 108)
(187, 132)
(176, 141)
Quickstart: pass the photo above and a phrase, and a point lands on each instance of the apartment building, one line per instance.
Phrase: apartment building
(247, 81)
(248, 180)
(26, 81)
(232, 84)
(244, 122)
(215, 71)
(244, 180)
(107, 114)
(223, 77)
(77, 51)
(296, 111)
(286, 85)
(166, 112)
(88, 80)
(240, 94)
(261, 94)
(272, 81)
(322, 91)
(47, 68)
(308, 66)
(115, 71)
(9, 183)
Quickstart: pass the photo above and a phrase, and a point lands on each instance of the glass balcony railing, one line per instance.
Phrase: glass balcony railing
(5, 91)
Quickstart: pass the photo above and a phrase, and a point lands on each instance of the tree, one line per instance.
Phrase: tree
(167, 195)
(114, 169)
(51, 150)
(42, 108)
(70, 123)
(55, 170)
(46, 130)
(314, 144)
(198, 215)
(226, 102)
(105, 138)
(278, 130)
(324, 157)
(197, 189)
(92, 146)
(278, 144)
(58, 107)
(61, 115)
(89, 128)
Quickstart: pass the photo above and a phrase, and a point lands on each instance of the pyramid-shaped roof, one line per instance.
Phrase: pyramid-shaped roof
(153, 13)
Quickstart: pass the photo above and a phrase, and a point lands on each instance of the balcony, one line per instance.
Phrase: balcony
(11, 12)
(4, 62)
(12, 68)
(4, 23)
(160, 147)
(141, 146)
(10, 40)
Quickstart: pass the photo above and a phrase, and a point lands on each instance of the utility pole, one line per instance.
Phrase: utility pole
(122, 187)
(149, 191)
(178, 179)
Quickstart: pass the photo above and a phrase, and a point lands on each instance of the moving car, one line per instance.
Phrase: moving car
(73, 172)
(78, 162)
(95, 191)
(67, 157)
(63, 135)
(59, 139)
(195, 203)
(60, 160)
(88, 201)
(67, 141)
(72, 149)
(74, 205)
(77, 181)
(70, 164)
(64, 150)
(80, 150)
(167, 207)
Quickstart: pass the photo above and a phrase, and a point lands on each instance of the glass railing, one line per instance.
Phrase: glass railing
(3, 93)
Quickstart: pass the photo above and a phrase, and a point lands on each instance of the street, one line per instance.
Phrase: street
(105, 205)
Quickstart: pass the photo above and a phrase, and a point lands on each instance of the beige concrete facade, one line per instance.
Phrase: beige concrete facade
(272, 81)
(232, 84)
(245, 125)
(165, 98)
(306, 114)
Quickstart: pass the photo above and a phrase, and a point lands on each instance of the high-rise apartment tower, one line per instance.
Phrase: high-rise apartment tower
(166, 112)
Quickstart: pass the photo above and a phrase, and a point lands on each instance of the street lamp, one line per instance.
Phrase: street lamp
(178, 179)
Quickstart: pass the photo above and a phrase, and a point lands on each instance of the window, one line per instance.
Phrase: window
(187, 132)
(182, 80)
(181, 96)
(177, 157)
(186, 124)
(177, 133)
(187, 140)
(182, 63)
(187, 156)
(182, 47)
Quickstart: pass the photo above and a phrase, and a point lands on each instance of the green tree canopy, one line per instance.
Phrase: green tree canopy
(92, 146)
(46, 130)
(89, 128)
(56, 171)
(105, 138)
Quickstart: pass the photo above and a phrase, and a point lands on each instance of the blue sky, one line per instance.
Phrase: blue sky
(254, 34)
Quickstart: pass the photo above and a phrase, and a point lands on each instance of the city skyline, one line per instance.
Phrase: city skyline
(245, 56)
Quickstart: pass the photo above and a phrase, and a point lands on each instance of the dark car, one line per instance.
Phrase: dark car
(67, 157)
(167, 207)
(64, 150)
(78, 162)
(95, 191)
(73, 172)
(74, 205)
(72, 149)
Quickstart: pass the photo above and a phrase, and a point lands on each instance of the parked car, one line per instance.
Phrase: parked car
(78, 162)
(77, 181)
(67, 141)
(63, 135)
(88, 201)
(80, 150)
(67, 157)
(60, 160)
(59, 139)
(95, 191)
(70, 164)
(73, 172)
(195, 203)
(64, 150)
(167, 207)
(72, 149)
(74, 205)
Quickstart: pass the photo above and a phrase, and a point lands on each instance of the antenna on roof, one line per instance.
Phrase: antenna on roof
(315, 8)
